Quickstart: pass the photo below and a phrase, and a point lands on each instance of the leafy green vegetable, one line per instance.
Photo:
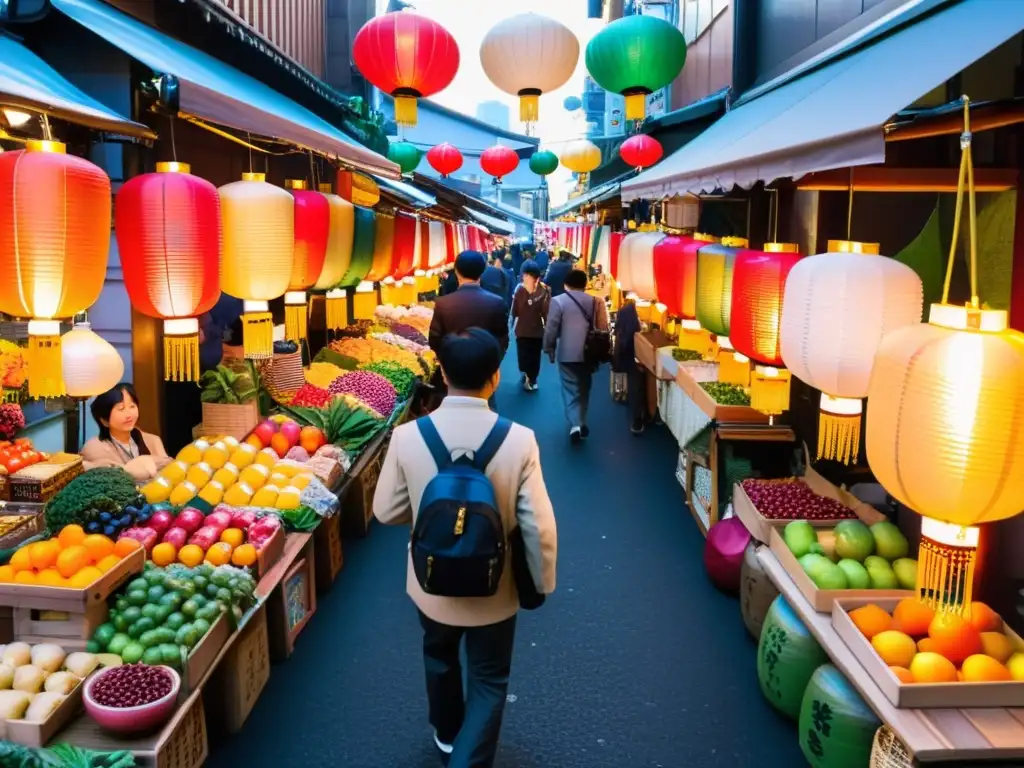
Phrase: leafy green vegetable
(725, 394)
(328, 355)
(67, 756)
(16, 756)
(300, 519)
(231, 387)
(401, 378)
(105, 489)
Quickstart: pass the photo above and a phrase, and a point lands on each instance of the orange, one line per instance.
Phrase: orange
(51, 578)
(932, 668)
(43, 554)
(85, 577)
(99, 546)
(902, 674)
(233, 536)
(984, 669)
(954, 637)
(219, 553)
(985, 619)
(244, 555)
(896, 648)
(71, 560)
(925, 645)
(70, 535)
(190, 555)
(164, 554)
(21, 560)
(108, 562)
(6, 574)
(124, 547)
(997, 645)
(871, 620)
(25, 577)
(912, 616)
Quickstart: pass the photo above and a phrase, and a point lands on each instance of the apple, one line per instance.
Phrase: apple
(177, 537)
(291, 431)
(161, 520)
(190, 519)
(265, 431)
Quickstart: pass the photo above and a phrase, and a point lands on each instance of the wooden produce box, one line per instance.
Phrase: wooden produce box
(270, 554)
(242, 675)
(40, 482)
(328, 552)
(357, 504)
(646, 346)
(729, 414)
(73, 600)
(38, 734)
(204, 654)
(19, 521)
(920, 695)
(70, 630)
(293, 604)
(824, 599)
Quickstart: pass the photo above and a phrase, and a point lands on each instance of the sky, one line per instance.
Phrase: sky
(471, 86)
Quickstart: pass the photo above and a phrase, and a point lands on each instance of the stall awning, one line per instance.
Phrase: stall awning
(28, 81)
(407, 191)
(834, 117)
(596, 195)
(493, 223)
(214, 91)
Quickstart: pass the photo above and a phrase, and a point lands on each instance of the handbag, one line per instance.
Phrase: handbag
(597, 349)
(529, 598)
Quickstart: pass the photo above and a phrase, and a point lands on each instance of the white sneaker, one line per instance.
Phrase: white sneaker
(575, 435)
(446, 748)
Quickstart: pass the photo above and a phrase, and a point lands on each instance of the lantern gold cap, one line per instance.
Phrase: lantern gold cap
(704, 238)
(295, 184)
(735, 242)
(173, 167)
(326, 189)
(254, 177)
(38, 145)
(781, 248)
(967, 318)
(852, 246)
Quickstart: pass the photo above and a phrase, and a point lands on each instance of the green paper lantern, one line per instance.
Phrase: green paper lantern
(837, 729)
(543, 162)
(635, 56)
(364, 237)
(405, 155)
(714, 287)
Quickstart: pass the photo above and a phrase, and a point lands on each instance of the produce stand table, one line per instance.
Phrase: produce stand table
(931, 735)
(356, 492)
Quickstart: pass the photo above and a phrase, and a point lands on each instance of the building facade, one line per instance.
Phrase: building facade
(494, 113)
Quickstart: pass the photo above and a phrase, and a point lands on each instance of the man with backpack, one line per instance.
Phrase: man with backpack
(483, 544)
(577, 328)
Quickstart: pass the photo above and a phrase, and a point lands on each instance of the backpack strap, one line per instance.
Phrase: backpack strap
(442, 456)
(491, 443)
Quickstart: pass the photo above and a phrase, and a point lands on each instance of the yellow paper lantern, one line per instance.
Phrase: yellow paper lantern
(259, 243)
(339, 240)
(581, 156)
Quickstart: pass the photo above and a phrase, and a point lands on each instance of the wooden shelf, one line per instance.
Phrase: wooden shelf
(932, 735)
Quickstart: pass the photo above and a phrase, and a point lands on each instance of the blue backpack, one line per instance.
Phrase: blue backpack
(458, 541)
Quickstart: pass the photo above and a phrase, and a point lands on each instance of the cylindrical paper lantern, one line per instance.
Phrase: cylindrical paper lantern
(839, 306)
(339, 240)
(672, 272)
(383, 249)
(257, 254)
(54, 241)
(499, 161)
(404, 245)
(363, 241)
(312, 230)
(423, 263)
(168, 230)
(438, 245)
(603, 249)
(450, 238)
(641, 264)
(445, 159)
(714, 286)
(91, 364)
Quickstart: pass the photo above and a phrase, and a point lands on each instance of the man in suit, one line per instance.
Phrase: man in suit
(557, 271)
(496, 280)
(467, 723)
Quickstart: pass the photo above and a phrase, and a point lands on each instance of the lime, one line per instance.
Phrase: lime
(187, 589)
(132, 654)
(162, 613)
(155, 593)
(224, 595)
(171, 655)
(202, 626)
(164, 635)
(181, 634)
(137, 597)
(211, 591)
(175, 621)
(121, 623)
(93, 647)
(153, 656)
(189, 607)
(200, 582)
(191, 637)
(150, 611)
(221, 578)
(140, 626)
(121, 604)
(173, 599)
(155, 577)
(209, 612)
(117, 643)
(136, 584)
(103, 634)
(148, 639)
(133, 613)
(200, 600)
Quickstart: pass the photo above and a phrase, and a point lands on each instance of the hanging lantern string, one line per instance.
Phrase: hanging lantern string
(248, 138)
(47, 132)
(849, 209)
(965, 180)
(174, 144)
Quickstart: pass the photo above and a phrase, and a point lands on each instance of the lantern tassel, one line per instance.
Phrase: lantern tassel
(295, 322)
(769, 390)
(405, 110)
(258, 335)
(945, 566)
(45, 370)
(636, 106)
(181, 357)
(337, 312)
(529, 107)
(839, 422)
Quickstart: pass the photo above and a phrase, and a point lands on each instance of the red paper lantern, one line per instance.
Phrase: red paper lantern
(673, 273)
(408, 56)
(312, 227)
(168, 230)
(613, 253)
(499, 161)
(641, 151)
(450, 237)
(444, 158)
(404, 247)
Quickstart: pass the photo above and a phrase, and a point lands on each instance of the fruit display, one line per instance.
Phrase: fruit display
(373, 350)
(344, 425)
(9, 523)
(372, 388)
(164, 613)
(72, 559)
(860, 558)
(13, 366)
(111, 525)
(12, 420)
(321, 374)
(922, 646)
(35, 679)
(407, 331)
(401, 378)
(104, 489)
(398, 341)
(18, 454)
(417, 316)
(726, 394)
(311, 396)
(132, 698)
(792, 499)
(684, 355)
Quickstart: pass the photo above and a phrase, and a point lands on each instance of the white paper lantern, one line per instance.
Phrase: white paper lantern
(603, 252)
(838, 307)
(91, 365)
(636, 264)
(527, 55)
(438, 245)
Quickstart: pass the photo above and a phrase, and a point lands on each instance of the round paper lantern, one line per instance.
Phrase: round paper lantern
(714, 286)
(383, 249)
(845, 738)
(257, 254)
(408, 56)
(312, 230)
(91, 364)
(787, 655)
(723, 553)
(339, 240)
(758, 290)
(444, 158)
(635, 56)
(581, 156)
(641, 151)
(839, 306)
(543, 162)
(405, 155)
(404, 246)
(54, 241)
(498, 161)
(168, 231)
(527, 55)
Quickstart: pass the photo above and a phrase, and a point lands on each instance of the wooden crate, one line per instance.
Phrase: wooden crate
(70, 630)
(39, 734)
(271, 553)
(920, 695)
(328, 551)
(293, 604)
(244, 672)
(73, 600)
(24, 521)
(357, 506)
(183, 744)
(724, 414)
(646, 345)
(41, 482)
(204, 654)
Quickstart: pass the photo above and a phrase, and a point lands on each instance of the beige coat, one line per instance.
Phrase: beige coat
(463, 423)
(103, 453)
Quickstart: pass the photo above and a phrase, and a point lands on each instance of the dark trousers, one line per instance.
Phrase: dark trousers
(470, 720)
(637, 392)
(529, 351)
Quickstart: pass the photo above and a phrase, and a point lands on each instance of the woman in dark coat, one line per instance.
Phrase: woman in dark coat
(628, 377)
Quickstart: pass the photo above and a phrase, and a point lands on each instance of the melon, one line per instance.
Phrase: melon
(787, 655)
(854, 540)
(837, 728)
(723, 553)
(756, 591)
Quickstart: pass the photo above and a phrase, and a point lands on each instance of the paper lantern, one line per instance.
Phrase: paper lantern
(498, 161)
(445, 159)
(363, 241)
(405, 155)
(383, 249)
(527, 55)
(450, 237)
(543, 162)
(635, 56)
(312, 230)
(408, 56)
(673, 271)
(423, 259)
(404, 246)
(839, 306)
(714, 286)
(339, 240)
(257, 254)
(641, 268)
(758, 290)
(641, 151)
(723, 553)
(438, 245)
(91, 364)
(54, 241)
(168, 230)
(581, 156)
(358, 188)
(614, 251)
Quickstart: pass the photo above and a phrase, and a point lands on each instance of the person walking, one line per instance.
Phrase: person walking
(557, 271)
(529, 312)
(467, 721)
(624, 363)
(569, 322)
(496, 280)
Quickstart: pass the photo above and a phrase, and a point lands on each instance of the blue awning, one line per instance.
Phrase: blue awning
(493, 223)
(596, 195)
(28, 81)
(214, 91)
(417, 197)
(834, 116)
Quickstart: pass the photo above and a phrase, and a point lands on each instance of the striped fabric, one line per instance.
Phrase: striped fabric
(297, 27)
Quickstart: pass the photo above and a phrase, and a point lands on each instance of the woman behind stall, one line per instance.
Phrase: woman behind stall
(121, 443)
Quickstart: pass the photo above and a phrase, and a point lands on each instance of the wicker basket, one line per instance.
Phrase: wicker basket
(285, 373)
(224, 420)
(888, 751)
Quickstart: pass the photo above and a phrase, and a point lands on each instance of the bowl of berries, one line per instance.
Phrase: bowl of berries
(132, 698)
